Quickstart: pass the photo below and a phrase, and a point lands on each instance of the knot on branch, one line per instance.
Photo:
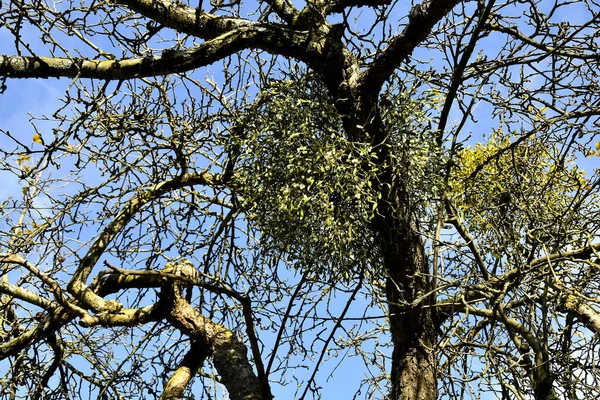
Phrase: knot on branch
(187, 271)
(418, 12)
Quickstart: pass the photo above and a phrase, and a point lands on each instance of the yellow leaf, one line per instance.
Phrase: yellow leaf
(37, 138)
(598, 146)
(24, 157)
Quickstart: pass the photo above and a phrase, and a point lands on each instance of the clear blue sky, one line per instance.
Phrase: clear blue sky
(40, 97)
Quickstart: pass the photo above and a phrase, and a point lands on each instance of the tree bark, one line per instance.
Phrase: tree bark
(185, 372)
(395, 223)
(412, 329)
(229, 355)
(413, 375)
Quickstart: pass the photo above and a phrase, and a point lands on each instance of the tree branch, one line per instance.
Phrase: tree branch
(586, 314)
(422, 19)
(178, 16)
(576, 254)
(284, 9)
(185, 371)
(577, 53)
(339, 6)
(124, 279)
(27, 296)
(469, 240)
(229, 354)
(77, 284)
(457, 73)
(276, 40)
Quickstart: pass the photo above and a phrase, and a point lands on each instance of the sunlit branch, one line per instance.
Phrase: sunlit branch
(284, 9)
(180, 17)
(51, 283)
(582, 253)
(422, 19)
(558, 50)
(185, 371)
(229, 354)
(26, 295)
(48, 323)
(77, 284)
(586, 314)
(276, 40)
(125, 279)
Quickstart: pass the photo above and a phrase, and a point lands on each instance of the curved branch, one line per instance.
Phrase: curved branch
(275, 40)
(422, 19)
(229, 354)
(77, 284)
(126, 279)
(586, 314)
(185, 371)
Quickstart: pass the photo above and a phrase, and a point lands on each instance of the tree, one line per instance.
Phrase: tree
(226, 187)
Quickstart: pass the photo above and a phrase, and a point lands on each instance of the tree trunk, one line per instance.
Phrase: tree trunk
(395, 223)
(413, 375)
(413, 334)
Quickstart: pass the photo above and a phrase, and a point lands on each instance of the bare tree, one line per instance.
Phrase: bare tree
(236, 197)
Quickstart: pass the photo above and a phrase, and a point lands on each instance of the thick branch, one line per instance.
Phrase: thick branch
(77, 284)
(124, 279)
(582, 253)
(178, 16)
(27, 295)
(340, 5)
(229, 354)
(59, 294)
(276, 40)
(49, 323)
(185, 371)
(284, 9)
(422, 19)
(108, 283)
(588, 316)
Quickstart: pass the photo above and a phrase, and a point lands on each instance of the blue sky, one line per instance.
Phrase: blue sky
(40, 97)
